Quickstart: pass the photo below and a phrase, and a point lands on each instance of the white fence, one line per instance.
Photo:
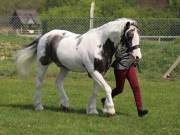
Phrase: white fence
(159, 38)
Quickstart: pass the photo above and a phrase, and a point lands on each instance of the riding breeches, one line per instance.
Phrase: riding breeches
(130, 74)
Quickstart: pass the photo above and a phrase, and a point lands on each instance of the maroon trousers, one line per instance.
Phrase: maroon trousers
(130, 74)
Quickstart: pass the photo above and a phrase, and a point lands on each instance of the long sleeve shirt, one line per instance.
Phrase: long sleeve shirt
(123, 58)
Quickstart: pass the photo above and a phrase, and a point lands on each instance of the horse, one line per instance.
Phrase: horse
(91, 52)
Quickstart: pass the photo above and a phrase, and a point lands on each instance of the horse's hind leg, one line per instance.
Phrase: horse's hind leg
(91, 109)
(39, 80)
(64, 104)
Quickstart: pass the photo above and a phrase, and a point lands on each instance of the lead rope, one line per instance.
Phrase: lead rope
(139, 67)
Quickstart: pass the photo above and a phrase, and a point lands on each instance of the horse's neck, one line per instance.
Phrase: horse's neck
(108, 48)
(113, 32)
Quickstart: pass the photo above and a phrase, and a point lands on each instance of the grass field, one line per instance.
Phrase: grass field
(160, 97)
(17, 116)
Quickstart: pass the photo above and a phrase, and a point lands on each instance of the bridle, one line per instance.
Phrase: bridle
(127, 39)
(131, 48)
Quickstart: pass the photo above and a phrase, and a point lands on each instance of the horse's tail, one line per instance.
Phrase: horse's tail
(26, 56)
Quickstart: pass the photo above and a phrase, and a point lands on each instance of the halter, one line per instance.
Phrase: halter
(131, 48)
(125, 41)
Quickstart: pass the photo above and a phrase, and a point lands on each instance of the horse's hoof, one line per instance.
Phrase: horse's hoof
(111, 115)
(110, 110)
(39, 107)
(64, 108)
(92, 112)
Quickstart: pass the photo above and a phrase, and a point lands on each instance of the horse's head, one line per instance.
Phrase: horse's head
(125, 32)
(131, 38)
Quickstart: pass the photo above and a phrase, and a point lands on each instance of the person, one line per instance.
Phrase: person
(125, 68)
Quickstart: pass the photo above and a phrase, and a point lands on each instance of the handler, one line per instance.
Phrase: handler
(125, 67)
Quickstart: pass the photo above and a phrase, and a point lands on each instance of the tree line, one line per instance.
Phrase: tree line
(108, 8)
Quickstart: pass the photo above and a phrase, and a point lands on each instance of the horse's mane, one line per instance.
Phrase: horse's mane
(116, 25)
(119, 21)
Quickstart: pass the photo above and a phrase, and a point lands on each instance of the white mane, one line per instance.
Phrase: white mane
(115, 29)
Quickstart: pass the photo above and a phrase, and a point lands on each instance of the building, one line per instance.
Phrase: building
(25, 21)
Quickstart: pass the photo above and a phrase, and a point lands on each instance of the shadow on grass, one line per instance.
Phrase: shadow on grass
(19, 106)
(80, 111)
(46, 108)
(71, 110)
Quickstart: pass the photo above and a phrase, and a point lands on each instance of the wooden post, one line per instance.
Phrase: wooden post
(159, 40)
(92, 14)
(168, 72)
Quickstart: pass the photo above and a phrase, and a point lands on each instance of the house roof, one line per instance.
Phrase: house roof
(27, 16)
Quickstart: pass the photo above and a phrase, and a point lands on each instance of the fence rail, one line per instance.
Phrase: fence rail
(159, 38)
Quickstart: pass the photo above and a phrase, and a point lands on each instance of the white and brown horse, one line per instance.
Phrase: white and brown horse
(90, 52)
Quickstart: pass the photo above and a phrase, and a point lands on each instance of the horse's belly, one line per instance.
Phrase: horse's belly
(73, 65)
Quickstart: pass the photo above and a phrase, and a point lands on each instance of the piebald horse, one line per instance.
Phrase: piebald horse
(90, 52)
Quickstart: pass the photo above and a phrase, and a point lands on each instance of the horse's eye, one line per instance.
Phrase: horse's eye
(130, 35)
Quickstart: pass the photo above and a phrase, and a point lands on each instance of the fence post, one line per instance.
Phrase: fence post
(159, 40)
(167, 74)
(92, 14)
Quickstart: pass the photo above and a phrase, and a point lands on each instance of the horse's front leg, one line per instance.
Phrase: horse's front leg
(109, 105)
(91, 109)
(64, 104)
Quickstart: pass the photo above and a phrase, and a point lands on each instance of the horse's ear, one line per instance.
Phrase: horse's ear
(127, 25)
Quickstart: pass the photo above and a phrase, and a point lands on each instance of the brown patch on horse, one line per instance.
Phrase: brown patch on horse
(102, 65)
(50, 51)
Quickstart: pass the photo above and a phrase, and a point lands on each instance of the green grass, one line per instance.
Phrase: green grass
(157, 58)
(18, 117)
(160, 97)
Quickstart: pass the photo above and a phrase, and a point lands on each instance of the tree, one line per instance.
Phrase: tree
(175, 4)
(59, 3)
(109, 7)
